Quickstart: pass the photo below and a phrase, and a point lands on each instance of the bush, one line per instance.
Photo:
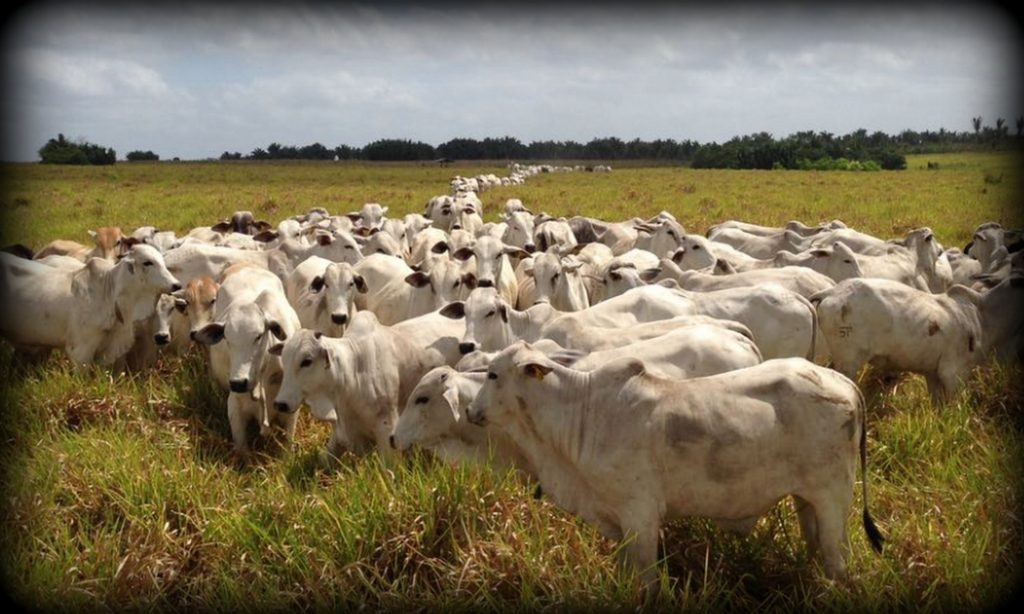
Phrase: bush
(63, 151)
(138, 156)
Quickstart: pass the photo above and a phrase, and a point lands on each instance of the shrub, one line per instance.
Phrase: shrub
(63, 151)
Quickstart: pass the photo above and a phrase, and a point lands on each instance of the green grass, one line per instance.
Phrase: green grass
(122, 491)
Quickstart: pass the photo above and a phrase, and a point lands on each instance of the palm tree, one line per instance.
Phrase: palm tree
(977, 124)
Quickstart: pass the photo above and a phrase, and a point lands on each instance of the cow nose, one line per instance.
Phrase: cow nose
(476, 418)
(530, 248)
(161, 338)
(239, 385)
(456, 226)
(485, 283)
(391, 440)
(467, 347)
(282, 407)
(339, 318)
(175, 287)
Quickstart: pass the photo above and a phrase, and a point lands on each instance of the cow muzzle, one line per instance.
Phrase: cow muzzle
(161, 338)
(485, 283)
(467, 347)
(339, 318)
(239, 385)
(476, 416)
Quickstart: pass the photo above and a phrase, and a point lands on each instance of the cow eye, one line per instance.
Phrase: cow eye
(490, 313)
(305, 362)
(147, 263)
(847, 261)
(696, 247)
(421, 400)
(492, 375)
(348, 247)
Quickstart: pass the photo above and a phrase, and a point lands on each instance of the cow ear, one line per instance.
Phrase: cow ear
(324, 238)
(463, 253)
(455, 310)
(724, 267)
(470, 280)
(418, 279)
(222, 226)
(128, 242)
(180, 304)
(263, 226)
(650, 275)
(361, 286)
(451, 395)
(383, 210)
(265, 236)
(276, 329)
(211, 334)
(439, 248)
(536, 370)
(354, 216)
(277, 349)
(503, 312)
(614, 275)
(92, 233)
(317, 284)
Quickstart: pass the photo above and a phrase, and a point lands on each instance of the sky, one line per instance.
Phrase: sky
(193, 80)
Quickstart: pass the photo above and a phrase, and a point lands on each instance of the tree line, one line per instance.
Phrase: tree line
(858, 150)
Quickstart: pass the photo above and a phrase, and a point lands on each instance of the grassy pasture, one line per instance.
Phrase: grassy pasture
(121, 490)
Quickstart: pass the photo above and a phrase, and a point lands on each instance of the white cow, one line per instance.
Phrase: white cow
(837, 262)
(181, 312)
(759, 246)
(435, 418)
(782, 322)
(558, 281)
(800, 280)
(519, 230)
(251, 312)
(493, 268)
(369, 217)
(358, 382)
(90, 312)
(396, 292)
(628, 451)
(941, 336)
(323, 294)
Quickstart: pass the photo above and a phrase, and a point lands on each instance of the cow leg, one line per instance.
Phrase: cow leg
(238, 418)
(808, 525)
(830, 514)
(640, 532)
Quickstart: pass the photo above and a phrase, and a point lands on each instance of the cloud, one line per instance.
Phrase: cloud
(92, 76)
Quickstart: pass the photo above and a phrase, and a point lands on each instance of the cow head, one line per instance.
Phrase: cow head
(307, 375)
(249, 333)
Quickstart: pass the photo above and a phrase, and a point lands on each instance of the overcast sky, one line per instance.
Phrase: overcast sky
(193, 80)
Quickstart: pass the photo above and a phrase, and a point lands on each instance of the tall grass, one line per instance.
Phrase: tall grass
(122, 491)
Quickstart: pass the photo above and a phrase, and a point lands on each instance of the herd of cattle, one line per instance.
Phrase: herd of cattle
(637, 372)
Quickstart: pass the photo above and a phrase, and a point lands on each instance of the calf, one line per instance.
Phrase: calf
(359, 382)
(435, 418)
(251, 311)
(323, 294)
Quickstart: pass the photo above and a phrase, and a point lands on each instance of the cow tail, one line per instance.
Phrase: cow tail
(814, 326)
(874, 535)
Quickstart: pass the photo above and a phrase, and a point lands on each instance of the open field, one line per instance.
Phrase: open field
(122, 491)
